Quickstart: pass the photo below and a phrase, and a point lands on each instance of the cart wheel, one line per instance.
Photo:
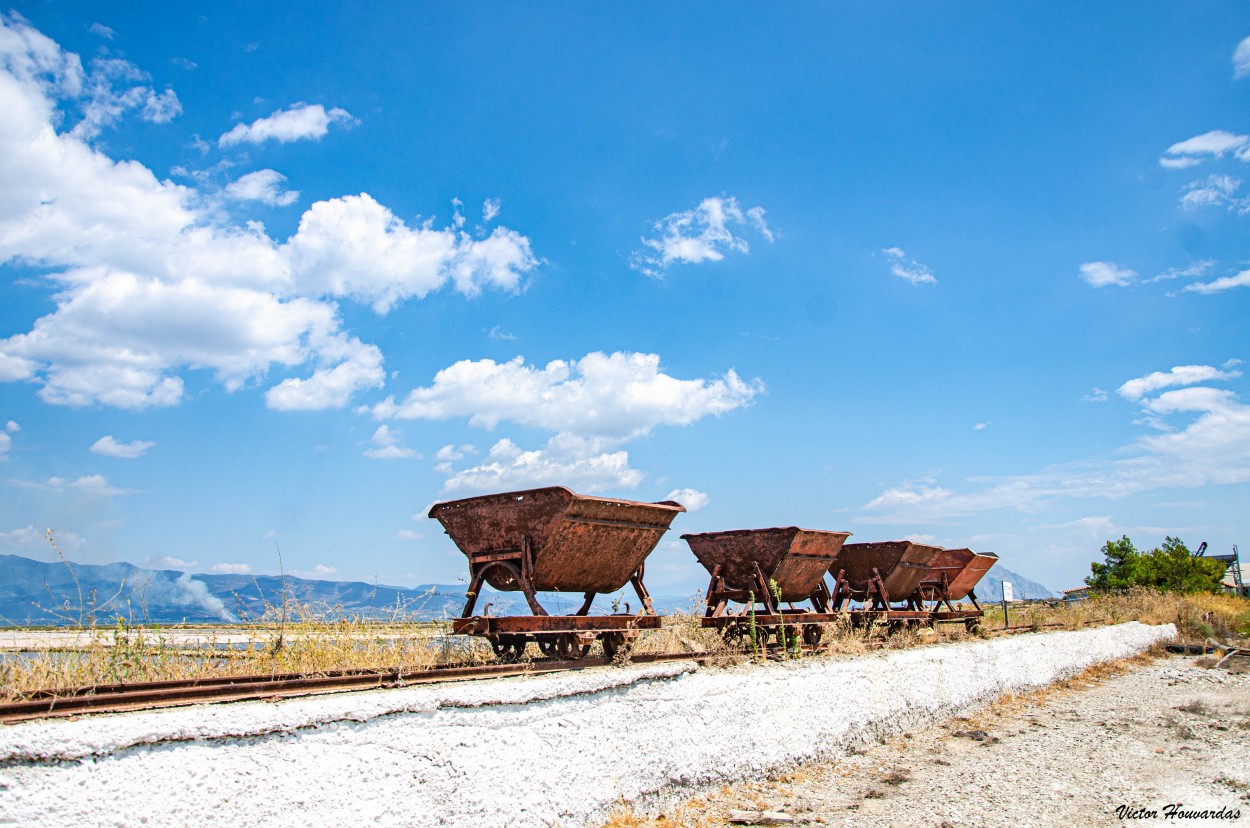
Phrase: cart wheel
(547, 645)
(732, 634)
(812, 634)
(569, 649)
(508, 648)
(614, 643)
(972, 625)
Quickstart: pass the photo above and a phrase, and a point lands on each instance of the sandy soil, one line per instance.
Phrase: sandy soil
(1108, 748)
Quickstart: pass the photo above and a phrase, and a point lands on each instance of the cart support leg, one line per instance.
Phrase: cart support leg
(641, 589)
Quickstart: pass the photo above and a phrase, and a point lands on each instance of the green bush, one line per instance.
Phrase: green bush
(1170, 568)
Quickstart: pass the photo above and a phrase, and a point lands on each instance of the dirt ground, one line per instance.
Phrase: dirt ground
(1153, 741)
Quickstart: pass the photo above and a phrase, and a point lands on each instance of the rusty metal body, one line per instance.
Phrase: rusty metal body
(554, 540)
(879, 574)
(761, 569)
(952, 576)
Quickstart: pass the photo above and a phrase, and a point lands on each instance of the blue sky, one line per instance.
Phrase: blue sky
(973, 273)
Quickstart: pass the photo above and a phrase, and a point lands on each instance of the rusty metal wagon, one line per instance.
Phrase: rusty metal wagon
(879, 575)
(952, 576)
(762, 569)
(554, 540)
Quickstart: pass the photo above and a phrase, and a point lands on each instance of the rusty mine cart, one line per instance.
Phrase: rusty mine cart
(554, 540)
(879, 575)
(951, 577)
(761, 570)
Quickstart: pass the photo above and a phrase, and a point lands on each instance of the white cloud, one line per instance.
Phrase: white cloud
(317, 572)
(1214, 191)
(1101, 274)
(1136, 389)
(91, 484)
(981, 426)
(490, 209)
(1211, 447)
(617, 396)
(12, 427)
(565, 460)
(112, 88)
(101, 30)
(1242, 279)
(1241, 59)
(1215, 144)
(409, 535)
(353, 246)
(1096, 396)
(704, 234)
(265, 186)
(909, 269)
(110, 447)
(692, 499)
(231, 568)
(497, 333)
(1194, 270)
(166, 562)
(450, 452)
(300, 121)
(31, 539)
(387, 446)
(152, 280)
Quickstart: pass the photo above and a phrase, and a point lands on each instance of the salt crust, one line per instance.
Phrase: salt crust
(535, 751)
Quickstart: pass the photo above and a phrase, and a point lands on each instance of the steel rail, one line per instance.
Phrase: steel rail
(127, 697)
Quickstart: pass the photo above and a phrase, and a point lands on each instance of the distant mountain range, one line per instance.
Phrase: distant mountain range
(38, 593)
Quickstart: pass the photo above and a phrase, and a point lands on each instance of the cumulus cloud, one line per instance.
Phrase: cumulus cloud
(704, 234)
(387, 445)
(231, 568)
(300, 121)
(594, 405)
(1210, 445)
(110, 447)
(1224, 283)
(150, 280)
(909, 269)
(1241, 59)
(1098, 395)
(1102, 274)
(692, 499)
(565, 459)
(1213, 144)
(265, 186)
(618, 396)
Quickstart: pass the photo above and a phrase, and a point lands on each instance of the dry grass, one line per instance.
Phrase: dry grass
(1196, 616)
(306, 642)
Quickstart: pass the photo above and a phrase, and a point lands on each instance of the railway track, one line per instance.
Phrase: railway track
(118, 698)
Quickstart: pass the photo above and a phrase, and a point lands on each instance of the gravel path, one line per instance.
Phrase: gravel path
(1098, 751)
